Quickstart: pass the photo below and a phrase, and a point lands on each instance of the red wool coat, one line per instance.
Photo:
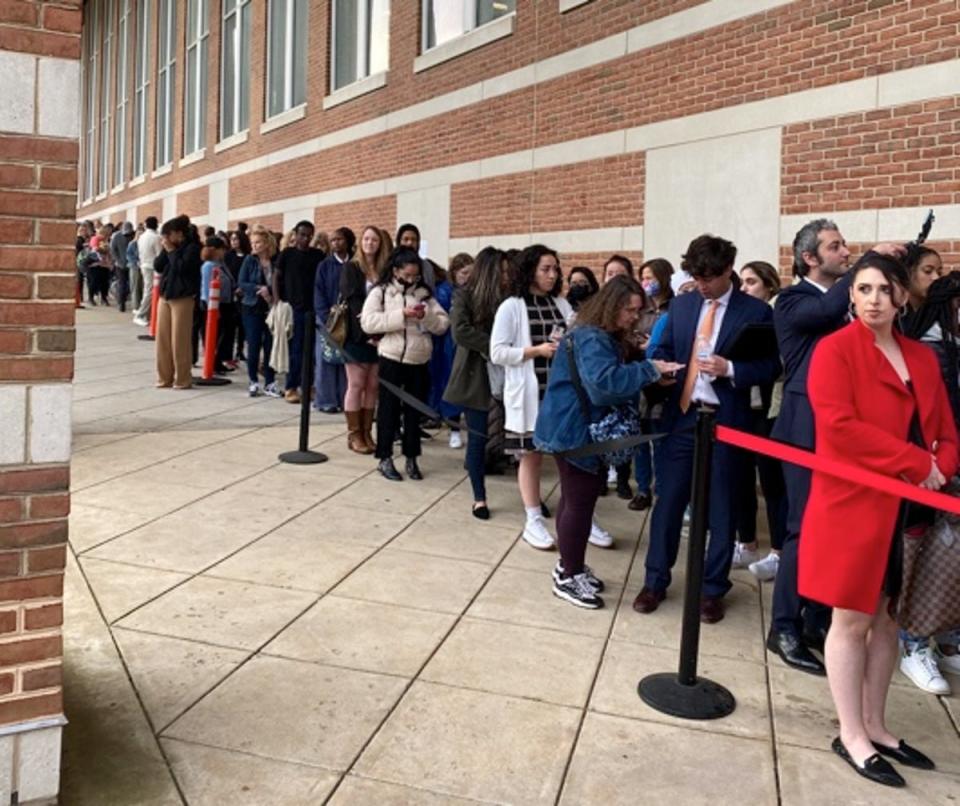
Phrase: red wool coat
(862, 412)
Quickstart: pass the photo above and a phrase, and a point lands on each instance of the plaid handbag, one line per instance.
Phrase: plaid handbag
(930, 595)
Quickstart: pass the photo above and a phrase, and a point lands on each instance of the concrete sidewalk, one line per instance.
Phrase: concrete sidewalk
(244, 632)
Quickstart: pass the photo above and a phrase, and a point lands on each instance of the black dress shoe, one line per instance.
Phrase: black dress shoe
(794, 653)
(906, 755)
(543, 510)
(640, 502)
(388, 471)
(874, 768)
(481, 512)
(624, 491)
(815, 639)
(412, 470)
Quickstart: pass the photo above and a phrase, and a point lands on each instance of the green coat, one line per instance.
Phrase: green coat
(469, 384)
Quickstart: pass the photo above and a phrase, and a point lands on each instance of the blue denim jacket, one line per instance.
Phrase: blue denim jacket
(606, 379)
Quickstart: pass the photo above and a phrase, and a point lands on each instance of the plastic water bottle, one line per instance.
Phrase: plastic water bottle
(703, 353)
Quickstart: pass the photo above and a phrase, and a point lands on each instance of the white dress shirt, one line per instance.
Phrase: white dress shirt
(703, 391)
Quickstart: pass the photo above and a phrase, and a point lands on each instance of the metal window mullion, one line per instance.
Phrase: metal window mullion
(288, 54)
(364, 24)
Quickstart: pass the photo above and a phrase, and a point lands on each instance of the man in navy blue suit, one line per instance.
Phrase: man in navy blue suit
(701, 329)
(805, 312)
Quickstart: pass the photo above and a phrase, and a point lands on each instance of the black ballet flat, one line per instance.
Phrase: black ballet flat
(481, 512)
(874, 769)
(906, 755)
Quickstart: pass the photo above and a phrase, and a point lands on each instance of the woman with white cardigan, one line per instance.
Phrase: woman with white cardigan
(526, 330)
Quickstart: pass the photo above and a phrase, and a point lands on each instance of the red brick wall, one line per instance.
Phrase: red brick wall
(38, 181)
(901, 157)
(193, 203)
(788, 49)
(381, 212)
(588, 195)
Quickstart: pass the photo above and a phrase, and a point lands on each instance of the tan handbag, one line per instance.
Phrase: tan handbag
(930, 595)
(336, 324)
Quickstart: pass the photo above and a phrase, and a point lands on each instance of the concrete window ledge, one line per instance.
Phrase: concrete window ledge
(497, 29)
(568, 5)
(163, 170)
(284, 119)
(230, 142)
(118, 188)
(356, 89)
(196, 156)
(137, 180)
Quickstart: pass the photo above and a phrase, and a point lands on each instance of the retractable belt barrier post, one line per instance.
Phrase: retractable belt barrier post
(154, 304)
(684, 694)
(210, 336)
(303, 455)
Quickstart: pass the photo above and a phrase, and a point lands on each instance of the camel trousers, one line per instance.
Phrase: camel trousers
(174, 326)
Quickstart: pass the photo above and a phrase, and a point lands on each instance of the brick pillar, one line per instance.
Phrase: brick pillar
(39, 127)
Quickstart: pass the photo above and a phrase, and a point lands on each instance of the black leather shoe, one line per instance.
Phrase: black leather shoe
(640, 502)
(543, 510)
(482, 512)
(624, 491)
(388, 471)
(413, 471)
(874, 768)
(815, 639)
(794, 653)
(906, 755)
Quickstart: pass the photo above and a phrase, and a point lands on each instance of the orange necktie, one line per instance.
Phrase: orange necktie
(705, 331)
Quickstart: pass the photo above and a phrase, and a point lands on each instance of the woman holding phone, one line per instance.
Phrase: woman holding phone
(405, 314)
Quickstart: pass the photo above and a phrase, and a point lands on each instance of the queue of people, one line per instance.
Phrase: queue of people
(867, 356)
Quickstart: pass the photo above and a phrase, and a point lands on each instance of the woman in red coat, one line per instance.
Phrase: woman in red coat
(879, 402)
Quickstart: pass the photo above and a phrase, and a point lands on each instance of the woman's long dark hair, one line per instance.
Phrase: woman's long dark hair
(401, 256)
(527, 270)
(939, 309)
(602, 310)
(484, 284)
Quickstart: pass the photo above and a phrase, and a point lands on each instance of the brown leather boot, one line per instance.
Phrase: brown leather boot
(367, 429)
(355, 440)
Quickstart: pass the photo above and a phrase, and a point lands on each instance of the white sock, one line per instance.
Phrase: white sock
(533, 513)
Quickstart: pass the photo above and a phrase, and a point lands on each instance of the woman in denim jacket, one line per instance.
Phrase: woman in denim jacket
(604, 324)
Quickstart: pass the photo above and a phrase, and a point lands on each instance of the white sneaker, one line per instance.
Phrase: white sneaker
(611, 476)
(537, 535)
(742, 556)
(948, 663)
(599, 536)
(921, 667)
(139, 321)
(272, 390)
(456, 441)
(254, 390)
(766, 569)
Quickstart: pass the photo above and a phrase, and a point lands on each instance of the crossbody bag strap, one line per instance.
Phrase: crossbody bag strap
(577, 383)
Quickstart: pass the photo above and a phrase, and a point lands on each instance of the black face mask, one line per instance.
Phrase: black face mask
(578, 293)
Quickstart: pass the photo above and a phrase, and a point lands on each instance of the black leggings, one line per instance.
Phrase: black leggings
(579, 490)
(414, 379)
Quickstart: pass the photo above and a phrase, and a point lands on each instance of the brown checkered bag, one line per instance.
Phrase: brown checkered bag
(930, 596)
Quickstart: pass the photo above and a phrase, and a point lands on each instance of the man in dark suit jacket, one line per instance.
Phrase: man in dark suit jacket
(805, 312)
(712, 317)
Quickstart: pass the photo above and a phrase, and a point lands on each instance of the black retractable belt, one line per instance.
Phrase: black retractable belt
(591, 449)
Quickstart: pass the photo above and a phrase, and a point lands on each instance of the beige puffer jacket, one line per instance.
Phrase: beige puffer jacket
(405, 340)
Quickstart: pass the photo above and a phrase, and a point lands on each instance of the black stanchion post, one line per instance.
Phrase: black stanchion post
(303, 455)
(684, 694)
